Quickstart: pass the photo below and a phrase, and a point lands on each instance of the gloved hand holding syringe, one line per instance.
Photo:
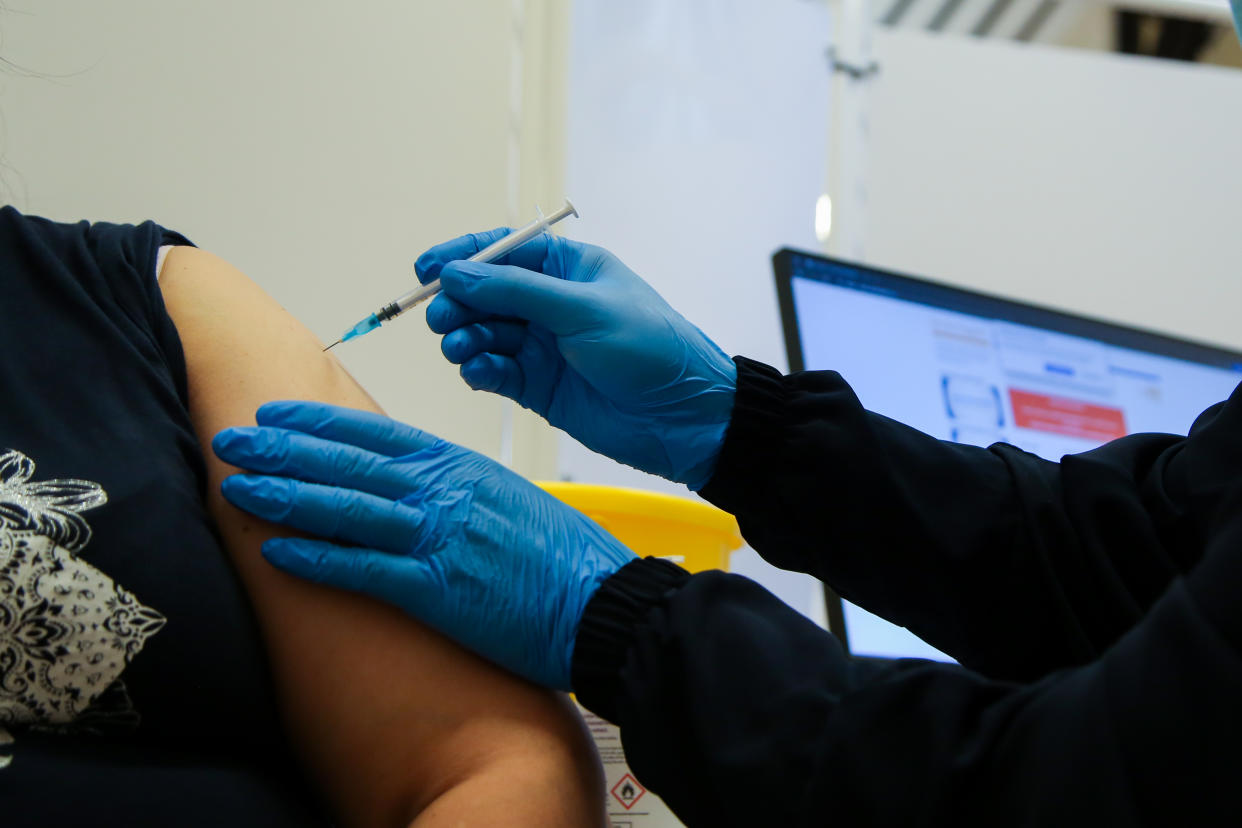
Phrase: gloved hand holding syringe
(490, 253)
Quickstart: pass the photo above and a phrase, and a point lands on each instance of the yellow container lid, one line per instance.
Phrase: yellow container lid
(688, 532)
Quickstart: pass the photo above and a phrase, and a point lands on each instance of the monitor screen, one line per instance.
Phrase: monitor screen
(977, 369)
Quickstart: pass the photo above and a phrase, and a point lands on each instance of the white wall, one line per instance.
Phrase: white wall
(1097, 183)
(320, 146)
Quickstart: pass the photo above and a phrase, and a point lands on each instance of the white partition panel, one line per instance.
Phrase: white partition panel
(1096, 183)
(697, 147)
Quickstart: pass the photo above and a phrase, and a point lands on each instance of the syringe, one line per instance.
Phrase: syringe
(492, 252)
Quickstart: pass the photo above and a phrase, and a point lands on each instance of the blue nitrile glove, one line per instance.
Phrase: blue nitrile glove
(454, 539)
(571, 333)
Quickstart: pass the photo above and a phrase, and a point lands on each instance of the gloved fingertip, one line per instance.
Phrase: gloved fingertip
(480, 375)
(275, 412)
(245, 483)
(461, 273)
(267, 497)
(234, 487)
(282, 554)
(427, 267)
(226, 443)
(453, 348)
(444, 314)
(464, 343)
(299, 415)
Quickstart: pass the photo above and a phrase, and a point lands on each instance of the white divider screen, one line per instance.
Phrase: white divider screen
(697, 147)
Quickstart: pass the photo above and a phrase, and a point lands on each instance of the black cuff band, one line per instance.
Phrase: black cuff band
(608, 626)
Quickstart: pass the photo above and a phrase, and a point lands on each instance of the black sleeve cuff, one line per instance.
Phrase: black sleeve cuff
(758, 415)
(609, 625)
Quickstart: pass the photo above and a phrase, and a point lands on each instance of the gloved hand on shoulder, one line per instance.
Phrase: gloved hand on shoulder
(453, 538)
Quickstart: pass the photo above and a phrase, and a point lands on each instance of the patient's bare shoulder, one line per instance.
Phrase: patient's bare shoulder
(393, 720)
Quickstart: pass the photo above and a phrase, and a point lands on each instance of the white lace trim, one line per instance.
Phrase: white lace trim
(67, 630)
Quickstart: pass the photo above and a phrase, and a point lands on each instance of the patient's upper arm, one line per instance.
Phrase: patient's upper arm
(389, 716)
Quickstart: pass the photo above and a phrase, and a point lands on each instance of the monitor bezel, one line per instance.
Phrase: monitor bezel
(1025, 313)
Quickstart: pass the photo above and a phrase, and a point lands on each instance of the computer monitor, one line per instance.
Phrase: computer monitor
(973, 368)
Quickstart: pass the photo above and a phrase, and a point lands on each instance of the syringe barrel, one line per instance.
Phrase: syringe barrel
(514, 240)
(490, 253)
(413, 297)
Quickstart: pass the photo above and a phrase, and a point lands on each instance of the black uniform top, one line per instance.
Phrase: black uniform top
(1096, 605)
(134, 689)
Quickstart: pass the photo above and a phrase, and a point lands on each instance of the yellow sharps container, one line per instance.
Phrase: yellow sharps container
(691, 534)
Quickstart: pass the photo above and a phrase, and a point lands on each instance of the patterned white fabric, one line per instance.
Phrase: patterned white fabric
(67, 631)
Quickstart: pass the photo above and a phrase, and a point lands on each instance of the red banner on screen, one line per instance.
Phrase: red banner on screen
(1063, 415)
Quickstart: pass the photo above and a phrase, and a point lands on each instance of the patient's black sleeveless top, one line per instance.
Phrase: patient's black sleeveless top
(133, 685)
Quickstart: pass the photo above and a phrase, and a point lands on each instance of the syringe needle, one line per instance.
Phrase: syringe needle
(333, 345)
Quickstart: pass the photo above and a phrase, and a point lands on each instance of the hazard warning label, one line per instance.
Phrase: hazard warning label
(627, 791)
(622, 790)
